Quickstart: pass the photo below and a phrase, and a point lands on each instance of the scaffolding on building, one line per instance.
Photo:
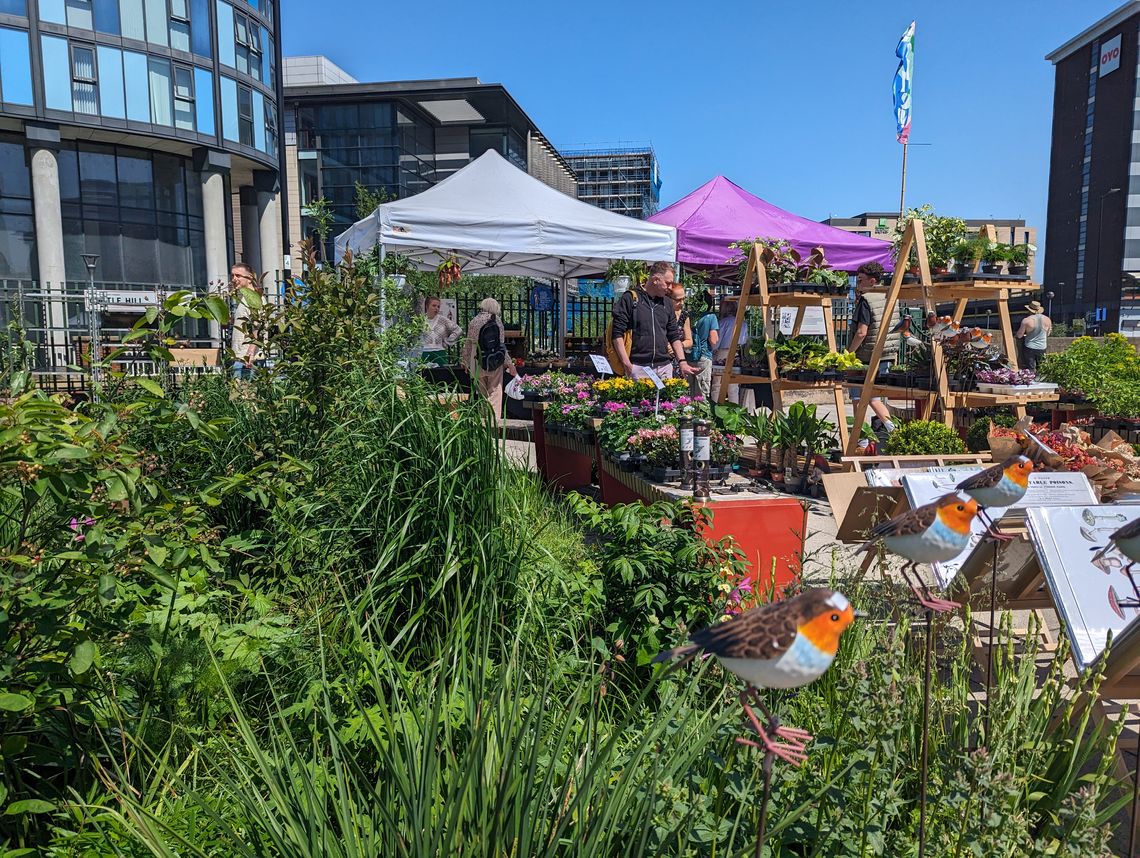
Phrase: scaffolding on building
(622, 179)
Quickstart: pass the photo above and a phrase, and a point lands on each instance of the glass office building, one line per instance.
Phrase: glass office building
(401, 137)
(144, 131)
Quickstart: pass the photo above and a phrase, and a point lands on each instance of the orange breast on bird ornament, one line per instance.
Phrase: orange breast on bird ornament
(959, 515)
(824, 629)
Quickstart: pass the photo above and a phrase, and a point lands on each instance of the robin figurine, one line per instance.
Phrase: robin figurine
(786, 644)
(999, 486)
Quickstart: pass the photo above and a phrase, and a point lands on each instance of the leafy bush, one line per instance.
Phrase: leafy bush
(1107, 371)
(924, 438)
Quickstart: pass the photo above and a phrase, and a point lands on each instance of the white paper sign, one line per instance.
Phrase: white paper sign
(812, 324)
(887, 477)
(651, 374)
(602, 365)
(1087, 594)
(1045, 489)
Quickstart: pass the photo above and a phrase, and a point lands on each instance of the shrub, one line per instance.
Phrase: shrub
(924, 438)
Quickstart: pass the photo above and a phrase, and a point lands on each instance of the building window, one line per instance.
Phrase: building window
(138, 91)
(132, 20)
(204, 100)
(161, 91)
(107, 16)
(57, 72)
(79, 14)
(200, 27)
(183, 98)
(14, 7)
(229, 109)
(247, 46)
(225, 16)
(15, 67)
(270, 128)
(111, 100)
(157, 22)
(84, 96)
(180, 25)
(245, 115)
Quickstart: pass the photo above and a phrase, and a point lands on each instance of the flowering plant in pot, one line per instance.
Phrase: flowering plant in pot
(577, 417)
(546, 385)
(1006, 375)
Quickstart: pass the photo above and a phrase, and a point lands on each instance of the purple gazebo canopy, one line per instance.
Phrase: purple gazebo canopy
(720, 212)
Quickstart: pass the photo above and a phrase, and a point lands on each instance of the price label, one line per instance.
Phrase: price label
(687, 440)
(702, 448)
(602, 365)
(652, 375)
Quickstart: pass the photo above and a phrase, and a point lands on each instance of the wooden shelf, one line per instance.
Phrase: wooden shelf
(756, 293)
(931, 294)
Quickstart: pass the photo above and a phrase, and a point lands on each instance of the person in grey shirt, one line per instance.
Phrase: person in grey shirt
(1034, 335)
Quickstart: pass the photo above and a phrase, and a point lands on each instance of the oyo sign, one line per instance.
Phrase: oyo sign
(1110, 55)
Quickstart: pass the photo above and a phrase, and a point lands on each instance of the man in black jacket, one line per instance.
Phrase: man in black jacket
(657, 338)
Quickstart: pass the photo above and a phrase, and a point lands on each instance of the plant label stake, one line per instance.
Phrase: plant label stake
(685, 433)
(702, 453)
(602, 365)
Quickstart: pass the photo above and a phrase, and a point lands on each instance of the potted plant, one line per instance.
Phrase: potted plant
(942, 235)
(966, 253)
(993, 255)
(1018, 256)
(924, 438)
(815, 433)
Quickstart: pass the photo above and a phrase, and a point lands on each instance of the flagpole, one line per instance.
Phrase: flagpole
(902, 192)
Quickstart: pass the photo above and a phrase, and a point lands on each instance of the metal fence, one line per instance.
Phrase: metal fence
(64, 324)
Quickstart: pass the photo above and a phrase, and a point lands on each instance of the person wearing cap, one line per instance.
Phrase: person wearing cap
(1034, 335)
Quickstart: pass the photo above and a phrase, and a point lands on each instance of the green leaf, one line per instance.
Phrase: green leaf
(107, 587)
(29, 805)
(251, 297)
(82, 658)
(10, 702)
(157, 553)
(151, 314)
(151, 386)
(218, 309)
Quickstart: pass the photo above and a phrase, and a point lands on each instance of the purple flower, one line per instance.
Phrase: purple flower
(583, 395)
(73, 524)
(684, 400)
(614, 407)
(667, 405)
(645, 403)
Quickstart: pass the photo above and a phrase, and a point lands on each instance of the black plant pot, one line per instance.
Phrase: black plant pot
(991, 268)
(1018, 270)
(535, 396)
(964, 270)
(910, 278)
(661, 475)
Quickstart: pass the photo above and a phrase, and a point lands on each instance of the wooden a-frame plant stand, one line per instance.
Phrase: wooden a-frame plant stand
(961, 292)
(756, 275)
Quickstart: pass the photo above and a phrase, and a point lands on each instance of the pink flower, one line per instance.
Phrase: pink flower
(667, 405)
(583, 395)
(73, 524)
(645, 403)
(80, 537)
(684, 400)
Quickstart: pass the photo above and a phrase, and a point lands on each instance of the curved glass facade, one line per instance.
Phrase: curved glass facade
(129, 91)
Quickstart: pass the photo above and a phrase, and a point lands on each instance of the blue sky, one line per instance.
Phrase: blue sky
(789, 100)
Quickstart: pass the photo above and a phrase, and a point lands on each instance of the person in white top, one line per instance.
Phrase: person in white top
(242, 343)
(441, 334)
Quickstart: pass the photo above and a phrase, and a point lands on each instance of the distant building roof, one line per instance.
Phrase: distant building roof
(313, 70)
(1098, 29)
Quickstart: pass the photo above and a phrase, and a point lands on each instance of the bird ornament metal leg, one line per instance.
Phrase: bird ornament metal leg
(793, 747)
(922, 591)
(992, 531)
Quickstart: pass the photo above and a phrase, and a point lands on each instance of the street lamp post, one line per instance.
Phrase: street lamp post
(95, 325)
(1049, 295)
(1096, 275)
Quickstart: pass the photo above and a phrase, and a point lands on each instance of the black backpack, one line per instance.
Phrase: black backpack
(492, 350)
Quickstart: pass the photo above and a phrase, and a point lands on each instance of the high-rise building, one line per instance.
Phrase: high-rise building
(1092, 241)
(622, 179)
(143, 131)
(399, 137)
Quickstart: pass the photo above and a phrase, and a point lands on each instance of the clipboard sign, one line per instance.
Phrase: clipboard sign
(602, 364)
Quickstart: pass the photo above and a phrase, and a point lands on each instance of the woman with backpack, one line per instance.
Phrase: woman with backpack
(486, 333)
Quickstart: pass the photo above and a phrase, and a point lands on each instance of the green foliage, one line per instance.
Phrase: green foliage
(924, 438)
(658, 575)
(1107, 371)
(635, 269)
(366, 200)
(977, 436)
(942, 234)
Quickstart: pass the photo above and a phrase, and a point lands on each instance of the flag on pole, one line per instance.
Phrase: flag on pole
(905, 53)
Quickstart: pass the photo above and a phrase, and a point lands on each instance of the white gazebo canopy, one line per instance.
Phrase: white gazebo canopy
(496, 219)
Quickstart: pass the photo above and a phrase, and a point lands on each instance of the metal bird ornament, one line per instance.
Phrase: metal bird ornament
(1000, 485)
(933, 533)
(785, 644)
(1126, 540)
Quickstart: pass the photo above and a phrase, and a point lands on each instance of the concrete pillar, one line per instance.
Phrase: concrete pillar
(42, 144)
(269, 222)
(213, 167)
